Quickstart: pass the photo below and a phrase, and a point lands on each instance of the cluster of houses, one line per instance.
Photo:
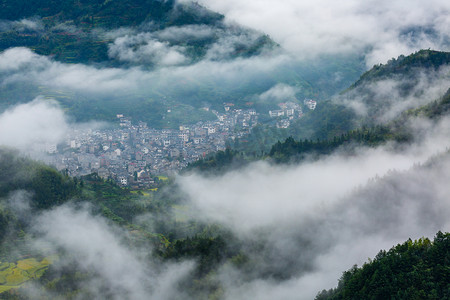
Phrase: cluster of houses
(134, 154)
(288, 111)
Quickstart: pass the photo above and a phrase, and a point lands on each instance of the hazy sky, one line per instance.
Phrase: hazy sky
(382, 28)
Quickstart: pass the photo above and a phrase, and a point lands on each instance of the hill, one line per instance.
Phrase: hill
(32, 194)
(377, 98)
(145, 58)
(397, 130)
(77, 31)
(333, 125)
(403, 83)
(413, 270)
(423, 60)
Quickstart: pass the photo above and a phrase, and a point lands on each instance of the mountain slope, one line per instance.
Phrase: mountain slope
(405, 66)
(144, 58)
(403, 83)
(412, 270)
(378, 97)
(133, 12)
(74, 31)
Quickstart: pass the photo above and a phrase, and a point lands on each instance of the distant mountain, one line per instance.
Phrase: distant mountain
(113, 13)
(81, 31)
(174, 56)
(423, 60)
(407, 82)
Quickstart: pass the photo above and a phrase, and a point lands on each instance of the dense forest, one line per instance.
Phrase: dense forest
(413, 270)
(68, 28)
(421, 60)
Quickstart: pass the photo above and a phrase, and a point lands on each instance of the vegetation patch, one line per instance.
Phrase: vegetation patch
(13, 275)
(163, 178)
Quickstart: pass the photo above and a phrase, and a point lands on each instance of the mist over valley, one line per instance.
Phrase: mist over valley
(224, 150)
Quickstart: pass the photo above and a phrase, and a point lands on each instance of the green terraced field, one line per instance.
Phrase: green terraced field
(13, 275)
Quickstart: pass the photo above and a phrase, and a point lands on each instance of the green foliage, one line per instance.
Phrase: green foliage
(291, 150)
(209, 251)
(218, 163)
(64, 282)
(434, 110)
(50, 188)
(403, 65)
(325, 122)
(413, 270)
(35, 187)
(260, 140)
(112, 201)
(47, 186)
(13, 275)
(122, 205)
(69, 32)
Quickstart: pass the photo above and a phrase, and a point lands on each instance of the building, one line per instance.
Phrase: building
(276, 113)
(311, 104)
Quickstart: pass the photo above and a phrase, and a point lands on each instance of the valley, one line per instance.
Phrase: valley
(221, 150)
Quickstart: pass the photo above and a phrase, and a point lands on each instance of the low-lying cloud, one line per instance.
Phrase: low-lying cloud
(33, 126)
(32, 25)
(88, 243)
(22, 65)
(319, 218)
(385, 99)
(37, 127)
(380, 29)
(141, 48)
(279, 92)
(189, 33)
(300, 225)
(98, 247)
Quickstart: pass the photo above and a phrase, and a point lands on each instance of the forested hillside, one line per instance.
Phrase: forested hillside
(292, 150)
(405, 65)
(30, 192)
(74, 31)
(380, 96)
(47, 186)
(413, 270)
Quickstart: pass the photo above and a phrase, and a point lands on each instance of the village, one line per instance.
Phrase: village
(134, 155)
